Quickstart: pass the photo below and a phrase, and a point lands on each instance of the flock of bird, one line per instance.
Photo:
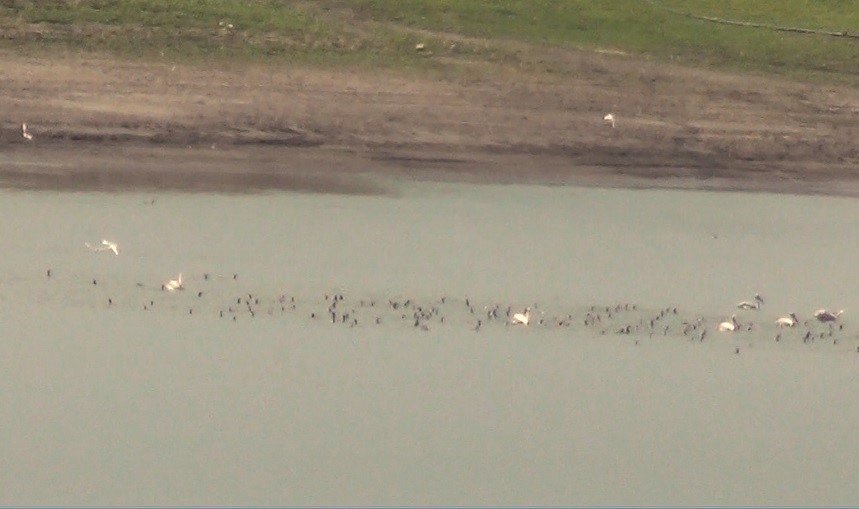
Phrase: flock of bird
(627, 319)
(789, 320)
(421, 318)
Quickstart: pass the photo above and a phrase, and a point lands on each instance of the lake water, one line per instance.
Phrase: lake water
(120, 393)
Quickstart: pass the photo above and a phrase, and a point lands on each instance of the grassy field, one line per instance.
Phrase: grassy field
(385, 32)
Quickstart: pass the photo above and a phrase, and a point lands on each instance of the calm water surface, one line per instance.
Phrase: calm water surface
(113, 404)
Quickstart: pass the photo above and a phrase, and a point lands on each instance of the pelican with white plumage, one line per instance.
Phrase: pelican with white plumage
(106, 245)
(521, 318)
(787, 321)
(751, 304)
(823, 315)
(174, 284)
(731, 326)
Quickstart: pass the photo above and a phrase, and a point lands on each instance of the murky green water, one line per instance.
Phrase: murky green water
(156, 398)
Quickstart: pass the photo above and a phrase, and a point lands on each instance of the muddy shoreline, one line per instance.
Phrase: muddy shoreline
(119, 167)
(102, 124)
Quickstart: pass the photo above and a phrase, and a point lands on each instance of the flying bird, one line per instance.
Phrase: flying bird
(106, 245)
(25, 133)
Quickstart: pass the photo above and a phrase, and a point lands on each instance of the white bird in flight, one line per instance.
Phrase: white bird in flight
(610, 119)
(787, 321)
(174, 284)
(827, 316)
(521, 318)
(106, 245)
(25, 133)
(730, 326)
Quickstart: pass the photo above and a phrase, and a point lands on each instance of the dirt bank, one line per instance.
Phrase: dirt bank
(100, 122)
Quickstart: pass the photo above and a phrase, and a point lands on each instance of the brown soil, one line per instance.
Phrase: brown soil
(101, 123)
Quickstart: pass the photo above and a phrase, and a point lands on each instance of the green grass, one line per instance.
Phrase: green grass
(652, 28)
(194, 29)
(832, 15)
(383, 32)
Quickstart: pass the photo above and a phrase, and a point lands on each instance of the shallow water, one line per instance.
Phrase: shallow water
(173, 404)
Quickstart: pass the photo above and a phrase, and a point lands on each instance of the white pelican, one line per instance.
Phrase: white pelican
(174, 284)
(787, 321)
(751, 304)
(827, 316)
(522, 318)
(729, 326)
(610, 119)
(106, 245)
(25, 133)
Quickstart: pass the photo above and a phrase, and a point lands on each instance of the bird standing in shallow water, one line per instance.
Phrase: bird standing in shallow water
(522, 318)
(756, 304)
(823, 315)
(787, 321)
(730, 326)
(174, 284)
